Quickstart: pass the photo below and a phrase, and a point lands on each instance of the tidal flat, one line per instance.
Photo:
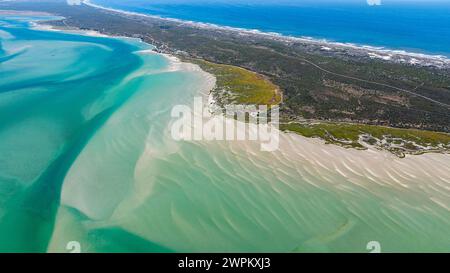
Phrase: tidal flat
(86, 155)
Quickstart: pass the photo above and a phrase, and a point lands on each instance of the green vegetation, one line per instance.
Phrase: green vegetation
(359, 90)
(240, 86)
(359, 136)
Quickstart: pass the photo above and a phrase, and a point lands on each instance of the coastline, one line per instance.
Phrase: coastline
(374, 52)
(361, 144)
(176, 63)
(297, 146)
(388, 93)
(173, 193)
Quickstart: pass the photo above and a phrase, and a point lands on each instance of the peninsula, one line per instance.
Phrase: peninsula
(349, 96)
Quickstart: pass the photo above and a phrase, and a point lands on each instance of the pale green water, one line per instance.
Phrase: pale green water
(86, 155)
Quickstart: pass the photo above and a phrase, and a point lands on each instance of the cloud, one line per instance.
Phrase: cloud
(374, 2)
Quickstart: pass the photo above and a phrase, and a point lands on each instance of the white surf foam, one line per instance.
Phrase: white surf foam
(386, 54)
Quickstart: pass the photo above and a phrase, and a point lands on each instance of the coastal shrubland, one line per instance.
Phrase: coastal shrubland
(237, 85)
(340, 85)
(362, 136)
(342, 95)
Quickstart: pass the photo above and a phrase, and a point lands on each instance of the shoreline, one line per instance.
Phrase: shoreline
(237, 193)
(394, 93)
(372, 52)
(177, 63)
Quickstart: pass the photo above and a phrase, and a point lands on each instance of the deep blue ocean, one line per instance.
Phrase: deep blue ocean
(413, 25)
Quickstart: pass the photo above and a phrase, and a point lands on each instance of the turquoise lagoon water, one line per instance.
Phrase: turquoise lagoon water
(86, 156)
